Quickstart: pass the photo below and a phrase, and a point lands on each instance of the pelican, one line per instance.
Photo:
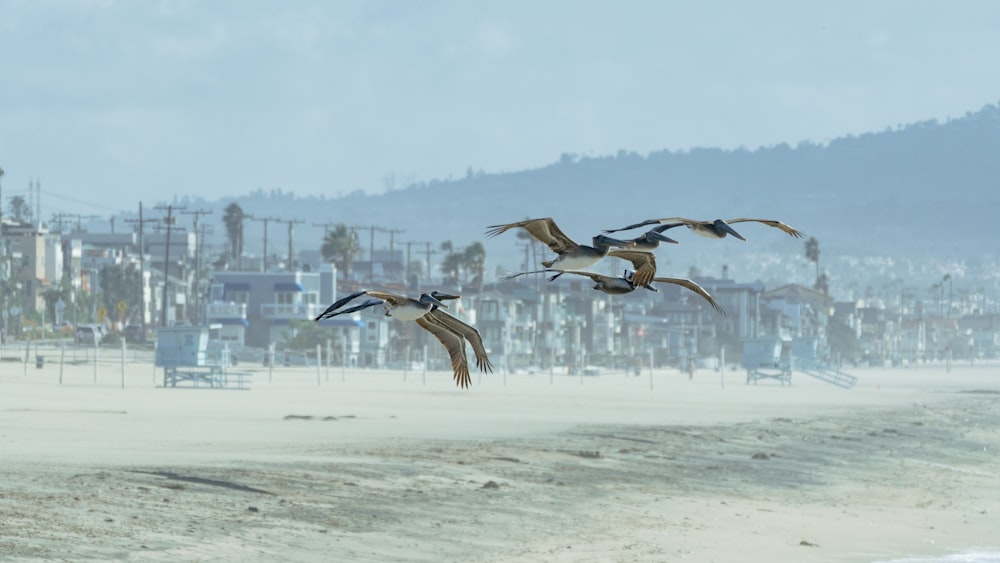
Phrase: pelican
(426, 311)
(572, 256)
(711, 229)
(626, 284)
(651, 239)
(452, 333)
(401, 307)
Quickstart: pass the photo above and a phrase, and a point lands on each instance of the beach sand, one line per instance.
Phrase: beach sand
(364, 465)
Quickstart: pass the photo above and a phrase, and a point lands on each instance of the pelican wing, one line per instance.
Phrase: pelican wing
(695, 288)
(338, 304)
(679, 220)
(454, 344)
(468, 332)
(771, 223)
(390, 298)
(643, 262)
(349, 310)
(544, 230)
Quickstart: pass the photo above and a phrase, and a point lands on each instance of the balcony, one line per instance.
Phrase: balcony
(289, 311)
(217, 311)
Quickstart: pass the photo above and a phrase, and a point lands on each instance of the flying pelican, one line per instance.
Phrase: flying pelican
(626, 284)
(643, 262)
(651, 239)
(712, 229)
(426, 311)
(572, 256)
(399, 306)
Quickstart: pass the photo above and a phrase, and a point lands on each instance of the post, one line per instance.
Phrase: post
(343, 359)
(406, 363)
(97, 353)
(329, 357)
(123, 363)
(155, 346)
(319, 362)
(62, 357)
(27, 355)
(425, 365)
(722, 366)
(650, 369)
(270, 365)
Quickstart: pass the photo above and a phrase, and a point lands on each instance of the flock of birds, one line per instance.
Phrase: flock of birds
(572, 258)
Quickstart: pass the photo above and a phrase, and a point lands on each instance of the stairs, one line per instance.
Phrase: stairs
(824, 372)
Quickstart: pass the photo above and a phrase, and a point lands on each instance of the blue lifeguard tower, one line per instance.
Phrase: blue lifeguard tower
(183, 353)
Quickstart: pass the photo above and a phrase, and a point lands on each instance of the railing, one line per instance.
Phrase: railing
(288, 311)
(226, 310)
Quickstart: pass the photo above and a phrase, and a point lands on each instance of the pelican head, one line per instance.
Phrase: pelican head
(724, 229)
(655, 236)
(604, 241)
(434, 298)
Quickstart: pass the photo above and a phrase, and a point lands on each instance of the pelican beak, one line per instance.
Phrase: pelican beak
(445, 296)
(437, 302)
(604, 240)
(725, 227)
(662, 238)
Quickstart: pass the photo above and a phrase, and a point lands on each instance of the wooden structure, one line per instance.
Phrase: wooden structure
(183, 353)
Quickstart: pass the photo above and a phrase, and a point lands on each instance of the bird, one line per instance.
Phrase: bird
(572, 256)
(651, 239)
(625, 284)
(711, 229)
(427, 312)
(645, 270)
(399, 306)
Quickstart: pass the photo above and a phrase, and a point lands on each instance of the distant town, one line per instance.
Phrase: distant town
(93, 288)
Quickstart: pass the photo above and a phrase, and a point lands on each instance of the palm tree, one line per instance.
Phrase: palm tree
(452, 264)
(812, 254)
(19, 208)
(233, 220)
(474, 261)
(340, 245)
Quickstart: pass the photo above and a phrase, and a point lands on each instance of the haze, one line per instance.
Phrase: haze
(163, 99)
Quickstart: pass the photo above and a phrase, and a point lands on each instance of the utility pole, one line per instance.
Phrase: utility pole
(428, 264)
(3, 268)
(326, 227)
(290, 253)
(142, 267)
(197, 259)
(409, 245)
(266, 220)
(392, 250)
(169, 221)
(371, 249)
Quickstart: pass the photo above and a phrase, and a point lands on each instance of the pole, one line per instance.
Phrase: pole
(270, 365)
(651, 370)
(425, 365)
(96, 354)
(722, 366)
(343, 359)
(329, 356)
(319, 363)
(27, 354)
(123, 363)
(62, 357)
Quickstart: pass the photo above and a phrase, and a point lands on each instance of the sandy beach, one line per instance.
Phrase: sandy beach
(362, 465)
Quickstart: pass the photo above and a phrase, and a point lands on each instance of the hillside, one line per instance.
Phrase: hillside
(915, 191)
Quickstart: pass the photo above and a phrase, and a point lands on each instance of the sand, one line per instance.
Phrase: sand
(364, 465)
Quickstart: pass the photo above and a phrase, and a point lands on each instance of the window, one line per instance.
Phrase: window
(371, 331)
(284, 297)
(238, 297)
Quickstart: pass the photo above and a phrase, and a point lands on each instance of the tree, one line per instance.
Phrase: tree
(340, 245)
(121, 283)
(474, 261)
(233, 219)
(20, 209)
(451, 266)
(812, 254)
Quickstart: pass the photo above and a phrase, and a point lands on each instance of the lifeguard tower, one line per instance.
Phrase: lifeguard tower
(773, 358)
(183, 353)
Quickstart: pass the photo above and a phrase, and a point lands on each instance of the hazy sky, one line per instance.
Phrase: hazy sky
(111, 102)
